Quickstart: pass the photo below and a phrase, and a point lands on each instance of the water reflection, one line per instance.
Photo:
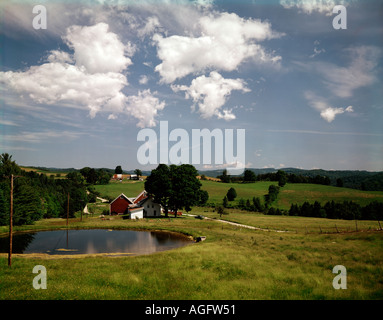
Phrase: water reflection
(92, 242)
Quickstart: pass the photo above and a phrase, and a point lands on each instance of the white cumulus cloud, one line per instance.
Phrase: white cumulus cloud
(96, 49)
(211, 93)
(310, 6)
(327, 112)
(225, 41)
(91, 77)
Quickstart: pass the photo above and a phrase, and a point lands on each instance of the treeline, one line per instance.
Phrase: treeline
(347, 210)
(294, 178)
(361, 180)
(96, 176)
(37, 196)
(281, 176)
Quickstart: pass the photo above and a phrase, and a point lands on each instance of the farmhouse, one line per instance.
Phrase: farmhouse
(139, 207)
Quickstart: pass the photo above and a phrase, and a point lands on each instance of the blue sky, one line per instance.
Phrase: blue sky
(77, 93)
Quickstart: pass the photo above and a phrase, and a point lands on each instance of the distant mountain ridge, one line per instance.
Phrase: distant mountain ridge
(356, 179)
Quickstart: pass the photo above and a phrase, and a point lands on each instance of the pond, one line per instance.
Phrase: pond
(93, 241)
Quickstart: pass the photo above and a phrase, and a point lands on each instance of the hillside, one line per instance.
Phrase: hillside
(363, 180)
(291, 193)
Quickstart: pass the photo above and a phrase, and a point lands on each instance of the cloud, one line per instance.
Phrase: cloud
(143, 79)
(310, 6)
(327, 112)
(225, 41)
(96, 49)
(55, 82)
(41, 137)
(144, 107)
(211, 93)
(342, 81)
(91, 77)
(317, 51)
(152, 23)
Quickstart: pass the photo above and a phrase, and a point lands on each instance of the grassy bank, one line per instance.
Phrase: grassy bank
(233, 263)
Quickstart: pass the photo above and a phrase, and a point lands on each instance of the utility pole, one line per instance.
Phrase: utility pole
(67, 211)
(10, 225)
(11, 221)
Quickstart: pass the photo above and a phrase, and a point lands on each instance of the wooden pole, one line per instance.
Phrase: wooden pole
(67, 211)
(10, 225)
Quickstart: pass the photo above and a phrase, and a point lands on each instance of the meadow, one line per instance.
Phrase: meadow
(234, 263)
(296, 193)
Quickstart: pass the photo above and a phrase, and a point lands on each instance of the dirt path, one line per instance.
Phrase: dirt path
(238, 224)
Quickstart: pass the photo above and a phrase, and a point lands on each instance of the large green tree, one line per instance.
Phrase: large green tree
(175, 187)
(7, 166)
(186, 186)
(159, 186)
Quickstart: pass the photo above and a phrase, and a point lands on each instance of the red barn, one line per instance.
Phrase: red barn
(139, 207)
(120, 205)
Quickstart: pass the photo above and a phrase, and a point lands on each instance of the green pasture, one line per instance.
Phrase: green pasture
(296, 193)
(286, 258)
(233, 263)
(290, 193)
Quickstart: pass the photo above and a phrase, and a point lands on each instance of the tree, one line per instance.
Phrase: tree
(174, 187)
(225, 178)
(7, 166)
(138, 172)
(249, 176)
(118, 170)
(257, 204)
(339, 182)
(159, 185)
(27, 204)
(272, 195)
(76, 178)
(225, 202)
(4, 201)
(220, 210)
(203, 197)
(282, 178)
(231, 194)
(185, 187)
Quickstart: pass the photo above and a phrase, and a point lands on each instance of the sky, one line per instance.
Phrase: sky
(79, 90)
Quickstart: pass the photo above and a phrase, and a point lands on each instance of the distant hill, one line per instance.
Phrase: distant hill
(356, 179)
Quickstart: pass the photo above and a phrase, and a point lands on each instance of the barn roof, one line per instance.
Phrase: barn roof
(143, 195)
(124, 196)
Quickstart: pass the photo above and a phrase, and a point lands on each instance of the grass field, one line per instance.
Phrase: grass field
(290, 193)
(233, 262)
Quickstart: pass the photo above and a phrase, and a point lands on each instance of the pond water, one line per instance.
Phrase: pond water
(93, 241)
